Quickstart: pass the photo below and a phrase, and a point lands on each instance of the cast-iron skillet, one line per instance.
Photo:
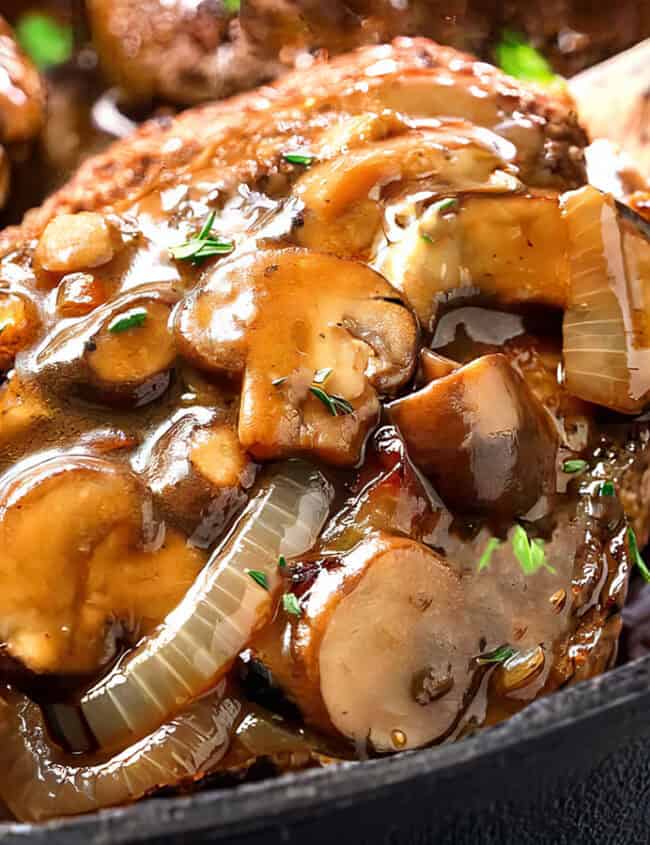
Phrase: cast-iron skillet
(572, 768)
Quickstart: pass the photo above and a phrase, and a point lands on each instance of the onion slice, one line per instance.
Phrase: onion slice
(607, 321)
(40, 781)
(200, 638)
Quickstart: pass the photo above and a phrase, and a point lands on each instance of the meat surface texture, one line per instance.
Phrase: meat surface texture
(305, 384)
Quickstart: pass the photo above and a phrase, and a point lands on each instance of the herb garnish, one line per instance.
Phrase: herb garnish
(259, 577)
(290, 604)
(202, 245)
(499, 655)
(636, 554)
(298, 158)
(44, 39)
(529, 553)
(520, 59)
(277, 382)
(132, 319)
(491, 546)
(282, 562)
(438, 208)
(231, 6)
(336, 405)
(574, 466)
(607, 489)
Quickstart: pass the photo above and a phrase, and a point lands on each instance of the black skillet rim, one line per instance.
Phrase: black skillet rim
(296, 797)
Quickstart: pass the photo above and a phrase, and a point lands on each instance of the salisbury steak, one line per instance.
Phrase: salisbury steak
(371, 319)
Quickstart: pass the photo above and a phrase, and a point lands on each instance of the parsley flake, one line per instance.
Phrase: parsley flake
(520, 59)
(443, 205)
(491, 546)
(282, 562)
(259, 577)
(44, 39)
(636, 555)
(499, 655)
(607, 489)
(298, 158)
(290, 604)
(574, 466)
(202, 245)
(278, 382)
(529, 553)
(132, 319)
(232, 6)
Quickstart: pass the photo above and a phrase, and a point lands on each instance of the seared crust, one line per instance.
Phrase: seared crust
(233, 134)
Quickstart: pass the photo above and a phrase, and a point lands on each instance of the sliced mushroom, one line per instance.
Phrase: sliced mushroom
(73, 242)
(607, 322)
(19, 325)
(341, 196)
(198, 474)
(513, 248)
(78, 294)
(21, 407)
(284, 318)
(433, 366)
(483, 438)
(77, 564)
(382, 651)
(121, 353)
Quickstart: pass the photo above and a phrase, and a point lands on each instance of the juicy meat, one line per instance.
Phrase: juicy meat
(258, 279)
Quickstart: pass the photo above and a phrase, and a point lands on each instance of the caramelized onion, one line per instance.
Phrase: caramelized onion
(198, 640)
(41, 781)
(607, 322)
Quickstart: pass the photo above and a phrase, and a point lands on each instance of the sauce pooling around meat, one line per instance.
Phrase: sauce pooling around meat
(315, 404)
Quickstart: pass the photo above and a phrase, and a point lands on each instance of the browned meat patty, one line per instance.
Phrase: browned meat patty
(372, 284)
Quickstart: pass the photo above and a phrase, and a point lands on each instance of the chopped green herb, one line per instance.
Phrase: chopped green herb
(574, 466)
(298, 158)
(499, 655)
(484, 561)
(232, 6)
(607, 488)
(290, 604)
(259, 577)
(636, 555)
(44, 39)
(321, 376)
(202, 245)
(520, 59)
(427, 238)
(336, 405)
(529, 553)
(282, 562)
(277, 382)
(443, 205)
(132, 319)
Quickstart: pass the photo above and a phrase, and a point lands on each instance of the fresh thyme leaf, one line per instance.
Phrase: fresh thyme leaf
(520, 59)
(336, 405)
(499, 655)
(282, 562)
(491, 546)
(290, 604)
(321, 376)
(443, 205)
(636, 555)
(607, 488)
(202, 245)
(259, 577)
(574, 466)
(529, 553)
(298, 158)
(44, 39)
(132, 319)
(279, 381)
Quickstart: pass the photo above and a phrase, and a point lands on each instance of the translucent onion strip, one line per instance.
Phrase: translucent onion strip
(40, 781)
(198, 641)
(607, 321)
